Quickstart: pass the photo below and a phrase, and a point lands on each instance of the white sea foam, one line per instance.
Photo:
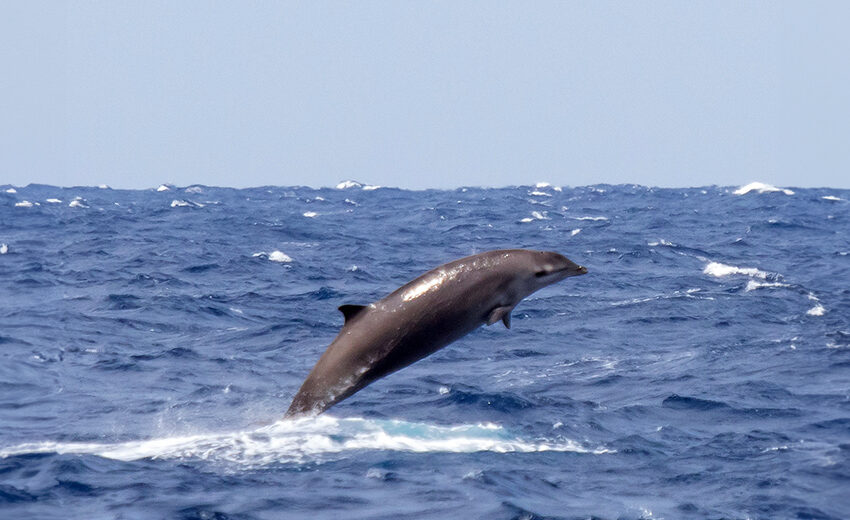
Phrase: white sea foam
(315, 438)
(537, 193)
(590, 218)
(370, 188)
(23, 204)
(310, 214)
(276, 256)
(818, 309)
(832, 198)
(194, 189)
(575, 232)
(752, 285)
(761, 187)
(54, 201)
(279, 256)
(4, 248)
(688, 293)
(103, 186)
(544, 184)
(11, 190)
(163, 187)
(535, 215)
(185, 204)
(78, 202)
(344, 185)
(720, 270)
(660, 242)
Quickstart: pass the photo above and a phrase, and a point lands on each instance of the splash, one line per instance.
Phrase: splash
(313, 439)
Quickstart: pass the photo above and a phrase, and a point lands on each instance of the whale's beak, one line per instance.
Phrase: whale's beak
(582, 270)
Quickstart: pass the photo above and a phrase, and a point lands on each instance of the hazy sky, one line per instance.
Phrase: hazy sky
(424, 94)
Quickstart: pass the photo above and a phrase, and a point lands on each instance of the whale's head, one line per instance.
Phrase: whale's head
(534, 270)
(550, 267)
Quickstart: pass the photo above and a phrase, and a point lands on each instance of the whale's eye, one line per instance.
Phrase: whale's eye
(541, 273)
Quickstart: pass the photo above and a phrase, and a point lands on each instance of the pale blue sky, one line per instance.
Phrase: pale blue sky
(424, 94)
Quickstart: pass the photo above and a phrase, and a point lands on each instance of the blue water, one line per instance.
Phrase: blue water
(150, 342)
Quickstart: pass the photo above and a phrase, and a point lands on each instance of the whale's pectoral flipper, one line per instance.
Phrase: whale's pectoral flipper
(501, 313)
(350, 311)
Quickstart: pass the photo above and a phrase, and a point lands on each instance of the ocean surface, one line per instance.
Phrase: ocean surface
(151, 340)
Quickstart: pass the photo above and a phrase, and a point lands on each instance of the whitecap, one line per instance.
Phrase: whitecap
(310, 214)
(719, 270)
(540, 194)
(535, 215)
(752, 285)
(575, 232)
(23, 204)
(279, 256)
(54, 201)
(542, 184)
(275, 256)
(313, 438)
(817, 310)
(103, 186)
(4, 248)
(78, 202)
(371, 188)
(761, 187)
(590, 218)
(185, 204)
(163, 187)
(832, 198)
(344, 185)
(11, 190)
(194, 189)
(660, 242)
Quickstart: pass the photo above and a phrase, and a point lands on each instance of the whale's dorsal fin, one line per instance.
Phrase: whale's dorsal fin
(350, 311)
(501, 313)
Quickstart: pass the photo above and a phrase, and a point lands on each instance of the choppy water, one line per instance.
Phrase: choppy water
(150, 342)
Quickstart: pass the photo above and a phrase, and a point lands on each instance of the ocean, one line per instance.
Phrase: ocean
(151, 340)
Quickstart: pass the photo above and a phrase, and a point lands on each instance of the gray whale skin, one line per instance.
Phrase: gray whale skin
(424, 316)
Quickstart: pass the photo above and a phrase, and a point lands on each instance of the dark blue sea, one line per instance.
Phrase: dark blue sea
(151, 340)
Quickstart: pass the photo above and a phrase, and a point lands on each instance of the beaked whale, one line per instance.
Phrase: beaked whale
(424, 316)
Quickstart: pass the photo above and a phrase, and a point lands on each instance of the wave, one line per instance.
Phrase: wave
(761, 187)
(719, 270)
(535, 215)
(274, 256)
(313, 438)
